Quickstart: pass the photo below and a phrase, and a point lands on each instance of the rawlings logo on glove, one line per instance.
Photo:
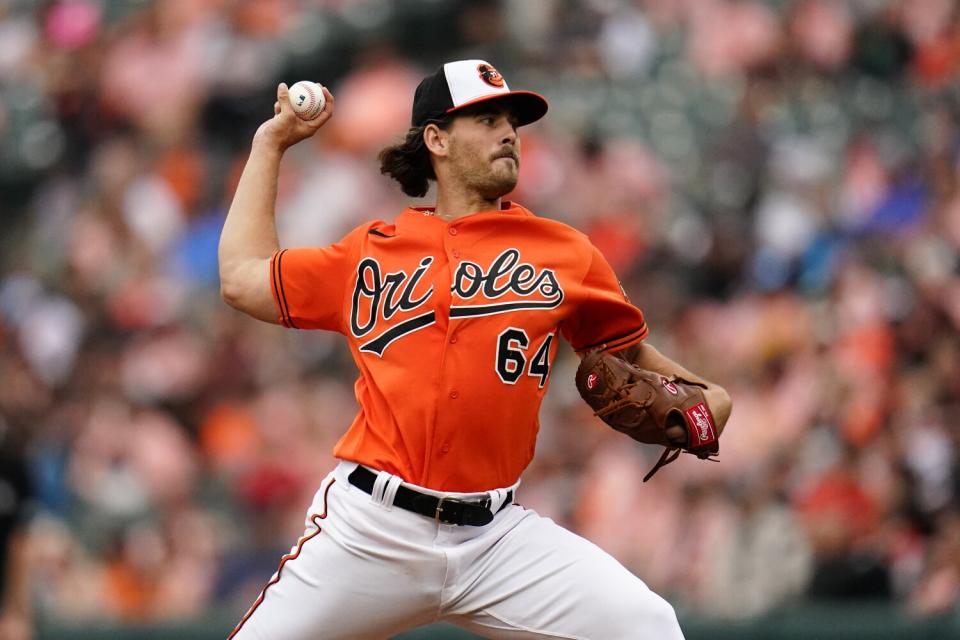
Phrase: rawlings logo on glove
(644, 404)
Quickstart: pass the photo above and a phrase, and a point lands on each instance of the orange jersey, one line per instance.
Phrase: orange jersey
(454, 329)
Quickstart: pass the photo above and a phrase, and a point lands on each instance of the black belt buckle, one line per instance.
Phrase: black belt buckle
(460, 512)
(449, 511)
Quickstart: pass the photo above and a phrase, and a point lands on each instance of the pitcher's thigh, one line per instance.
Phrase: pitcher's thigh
(328, 592)
(542, 581)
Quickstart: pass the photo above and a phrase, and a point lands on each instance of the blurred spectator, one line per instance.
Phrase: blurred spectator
(765, 562)
(16, 495)
(840, 518)
(939, 588)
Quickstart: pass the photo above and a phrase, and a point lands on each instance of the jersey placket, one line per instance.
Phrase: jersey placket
(439, 444)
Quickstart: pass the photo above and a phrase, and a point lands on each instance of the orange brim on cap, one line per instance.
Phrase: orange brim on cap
(527, 106)
(463, 83)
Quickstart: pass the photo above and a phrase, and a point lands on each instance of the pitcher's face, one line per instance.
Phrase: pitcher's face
(485, 151)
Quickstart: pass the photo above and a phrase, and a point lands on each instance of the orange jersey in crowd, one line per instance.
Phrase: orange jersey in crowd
(454, 329)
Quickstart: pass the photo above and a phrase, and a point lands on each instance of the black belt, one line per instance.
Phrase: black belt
(445, 510)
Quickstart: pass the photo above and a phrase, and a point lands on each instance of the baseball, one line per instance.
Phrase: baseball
(307, 99)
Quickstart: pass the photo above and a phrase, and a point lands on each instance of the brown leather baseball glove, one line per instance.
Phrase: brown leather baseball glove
(644, 404)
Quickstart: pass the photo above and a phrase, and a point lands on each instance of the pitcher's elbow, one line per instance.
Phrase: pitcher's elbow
(230, 291)
(228, 296)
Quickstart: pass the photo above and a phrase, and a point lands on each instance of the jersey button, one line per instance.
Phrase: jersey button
(453, 340)
(453, 231)
(456, 253)
(445, 449)
(454, 394)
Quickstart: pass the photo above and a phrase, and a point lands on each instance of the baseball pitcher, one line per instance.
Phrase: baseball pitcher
(453, 314)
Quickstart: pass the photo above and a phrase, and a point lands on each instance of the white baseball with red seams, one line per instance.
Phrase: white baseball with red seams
(307, 99)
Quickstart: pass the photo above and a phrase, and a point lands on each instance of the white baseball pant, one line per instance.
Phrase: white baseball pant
(365, 569)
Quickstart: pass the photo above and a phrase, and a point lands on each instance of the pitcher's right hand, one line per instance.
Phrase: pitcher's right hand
(285, 128)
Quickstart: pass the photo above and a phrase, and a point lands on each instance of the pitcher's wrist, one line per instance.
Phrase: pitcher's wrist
(265, 141)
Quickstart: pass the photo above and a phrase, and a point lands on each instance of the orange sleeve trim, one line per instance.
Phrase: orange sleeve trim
(276, 286)
(628, 343)
(620, 342)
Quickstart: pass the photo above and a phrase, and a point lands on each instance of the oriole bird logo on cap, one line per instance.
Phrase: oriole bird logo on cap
(490, 75)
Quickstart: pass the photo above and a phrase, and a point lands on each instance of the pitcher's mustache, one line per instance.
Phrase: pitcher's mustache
(508, 153)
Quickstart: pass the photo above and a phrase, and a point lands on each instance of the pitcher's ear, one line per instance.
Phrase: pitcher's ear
(436, 139)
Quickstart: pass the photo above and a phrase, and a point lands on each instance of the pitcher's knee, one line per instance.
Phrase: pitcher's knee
(664, 619)
(640, 618)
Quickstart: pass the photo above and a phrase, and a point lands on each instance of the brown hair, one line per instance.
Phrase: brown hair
(408, 162)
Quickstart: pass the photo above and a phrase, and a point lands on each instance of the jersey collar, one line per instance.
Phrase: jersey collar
(421, 216)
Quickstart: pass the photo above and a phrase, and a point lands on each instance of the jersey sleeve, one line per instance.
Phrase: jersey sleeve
(603, 318)
(309, 285)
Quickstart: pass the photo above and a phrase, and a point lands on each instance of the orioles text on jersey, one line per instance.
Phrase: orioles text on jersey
(453, 327)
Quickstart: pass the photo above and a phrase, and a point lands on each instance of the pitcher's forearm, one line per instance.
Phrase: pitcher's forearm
(718, 399)
(250, 230)
(648, 357)
(249, 235)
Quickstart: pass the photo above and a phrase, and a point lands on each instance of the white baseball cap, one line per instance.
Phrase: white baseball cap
(463, 83)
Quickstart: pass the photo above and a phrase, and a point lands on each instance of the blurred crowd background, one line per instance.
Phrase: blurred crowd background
(776, 182)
